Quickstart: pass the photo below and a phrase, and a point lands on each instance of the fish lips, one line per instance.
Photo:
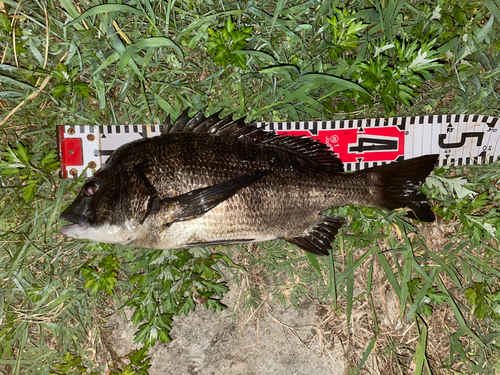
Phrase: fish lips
(79, 222)
(74, 218)
(84, 228)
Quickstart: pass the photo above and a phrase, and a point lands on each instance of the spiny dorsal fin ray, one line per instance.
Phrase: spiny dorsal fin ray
(226, 126)
(194, 122)
(207, 123)
(181, 121)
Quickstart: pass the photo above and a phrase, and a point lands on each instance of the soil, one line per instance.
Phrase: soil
(272, 340)
(311, 339)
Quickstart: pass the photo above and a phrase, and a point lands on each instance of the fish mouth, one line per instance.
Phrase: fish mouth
(74, 218)
(79, 222)
(83, 229)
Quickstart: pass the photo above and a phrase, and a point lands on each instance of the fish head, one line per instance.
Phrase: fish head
(110, 207)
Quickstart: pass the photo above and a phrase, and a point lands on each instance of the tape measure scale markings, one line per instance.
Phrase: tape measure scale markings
(86, 148)
(76, 146)
(360, 144)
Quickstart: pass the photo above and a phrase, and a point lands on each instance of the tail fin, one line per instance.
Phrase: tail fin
(401, 182)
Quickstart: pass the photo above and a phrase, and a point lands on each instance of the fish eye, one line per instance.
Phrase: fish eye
(90, 188)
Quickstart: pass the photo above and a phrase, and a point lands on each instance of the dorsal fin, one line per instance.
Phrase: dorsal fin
(301, 145)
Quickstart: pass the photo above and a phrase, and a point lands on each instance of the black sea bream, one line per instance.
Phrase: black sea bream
(208, 181)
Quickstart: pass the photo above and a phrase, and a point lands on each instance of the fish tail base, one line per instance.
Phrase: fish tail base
(400, 186)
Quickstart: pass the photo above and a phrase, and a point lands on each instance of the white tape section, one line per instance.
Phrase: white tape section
(458, 139)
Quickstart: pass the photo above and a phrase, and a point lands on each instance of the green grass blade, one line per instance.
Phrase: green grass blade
(340, 83)
(107, 62)
(157, 42)
(106, 8)
(458, 314)
(314, 261)
(332, 288)
(350, 286)
(277, 12)
(420, 356)
(484, 265)
(449, 271)
(389, 273)
(354, 266)
(261, 56)
(72, 11)
(419, 298)
(407, 272)
(369, 293)
(368, 351)
(493, 8)
(14, 82)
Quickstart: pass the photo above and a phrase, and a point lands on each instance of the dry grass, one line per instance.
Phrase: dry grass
(397, 338)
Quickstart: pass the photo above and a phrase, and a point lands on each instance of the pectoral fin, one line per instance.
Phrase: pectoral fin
(197, 202)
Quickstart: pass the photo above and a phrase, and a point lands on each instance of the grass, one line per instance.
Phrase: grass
(139, 62)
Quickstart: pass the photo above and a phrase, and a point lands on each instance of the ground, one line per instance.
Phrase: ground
(312, 338)
(271, 341)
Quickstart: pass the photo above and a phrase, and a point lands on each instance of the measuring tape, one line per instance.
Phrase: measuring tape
(360, 144)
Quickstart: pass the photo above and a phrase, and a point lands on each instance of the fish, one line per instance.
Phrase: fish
(214, 181)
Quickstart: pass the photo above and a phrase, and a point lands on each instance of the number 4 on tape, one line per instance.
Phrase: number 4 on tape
(458, 139)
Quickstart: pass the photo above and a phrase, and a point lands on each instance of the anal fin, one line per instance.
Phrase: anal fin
(319, 238)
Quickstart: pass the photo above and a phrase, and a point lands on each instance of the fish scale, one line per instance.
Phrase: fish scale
(208, 181)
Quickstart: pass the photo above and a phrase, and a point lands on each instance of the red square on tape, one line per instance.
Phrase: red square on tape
(72, 151)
